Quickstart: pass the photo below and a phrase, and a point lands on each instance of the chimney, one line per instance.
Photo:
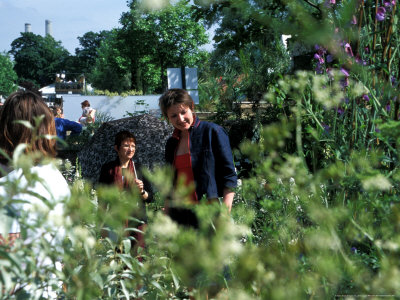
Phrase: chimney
(27, 27)
(48, 28)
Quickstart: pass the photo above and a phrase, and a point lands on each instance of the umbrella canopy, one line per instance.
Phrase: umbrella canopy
(151, 135)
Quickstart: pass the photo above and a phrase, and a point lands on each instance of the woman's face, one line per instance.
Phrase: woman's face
(60, 114)
(127, 149)
(180, 116)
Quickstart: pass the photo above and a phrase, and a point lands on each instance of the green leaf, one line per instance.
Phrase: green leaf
(27, 124)
(125, 258)
(175, 279)
(124, 290)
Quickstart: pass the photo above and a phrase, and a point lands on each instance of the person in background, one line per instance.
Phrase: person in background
(88, 114)
(198, 150)
(126, 173)
(39, 201)
(64, 125)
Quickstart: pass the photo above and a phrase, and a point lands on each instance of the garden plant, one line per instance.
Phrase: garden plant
(316, 213)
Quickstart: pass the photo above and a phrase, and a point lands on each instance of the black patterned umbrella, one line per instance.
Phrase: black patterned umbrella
(151, 135)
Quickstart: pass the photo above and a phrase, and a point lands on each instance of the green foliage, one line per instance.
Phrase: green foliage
(110, 70)
(150, 41)
(37, 58)
(317, 214)
(8, 77)
(87, 53)
(113, 94)
(320, 235)
(137, 55)
(76, 142)
(141, 107)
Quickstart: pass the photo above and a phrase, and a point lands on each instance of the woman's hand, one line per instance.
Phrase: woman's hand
(140, 185)
(228, 198)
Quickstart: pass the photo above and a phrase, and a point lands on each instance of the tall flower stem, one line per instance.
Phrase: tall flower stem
(360, 21)
(387, 41)
(374, 41)
(299, 143)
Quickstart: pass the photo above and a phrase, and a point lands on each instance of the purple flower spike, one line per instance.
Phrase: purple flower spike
(340, 111)
(319, 58)
(365, 97)
(329, 3)
(329, 58)
(347, 49)
(394, 81)
(389, 4)
(380, 15)
(326, 128)
(388, 107)
(354, 249)
(360, 61)
(344, 82)
(345, 72)
(319, 69)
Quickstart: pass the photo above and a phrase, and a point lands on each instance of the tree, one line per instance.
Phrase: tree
(175, 50)
(87, 53)
(151, 41)
(110, 71)
(38, 58)
(8, 77)
(248, 52)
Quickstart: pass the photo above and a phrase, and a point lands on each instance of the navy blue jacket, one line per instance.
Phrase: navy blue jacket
(211, 155)
(64, 125)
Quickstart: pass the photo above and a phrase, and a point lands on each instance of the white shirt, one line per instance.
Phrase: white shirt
(46, 182)
(42, 191)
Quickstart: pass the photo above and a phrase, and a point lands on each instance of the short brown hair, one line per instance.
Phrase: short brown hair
(56, 109)
(172, 97)
(122, 136)
(85, 103)
(25, 106)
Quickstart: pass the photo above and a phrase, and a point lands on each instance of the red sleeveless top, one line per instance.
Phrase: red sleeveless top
(183, 166)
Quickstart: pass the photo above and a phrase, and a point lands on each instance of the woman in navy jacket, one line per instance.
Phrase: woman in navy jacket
(199, 150)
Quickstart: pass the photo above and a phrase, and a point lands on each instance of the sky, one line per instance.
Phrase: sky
(69, 19)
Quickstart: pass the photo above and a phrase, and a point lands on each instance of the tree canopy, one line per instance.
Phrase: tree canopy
(248, 52)
(8, 77)
(87, 53)
(38, 58)
(110, 71)
(149, 42)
